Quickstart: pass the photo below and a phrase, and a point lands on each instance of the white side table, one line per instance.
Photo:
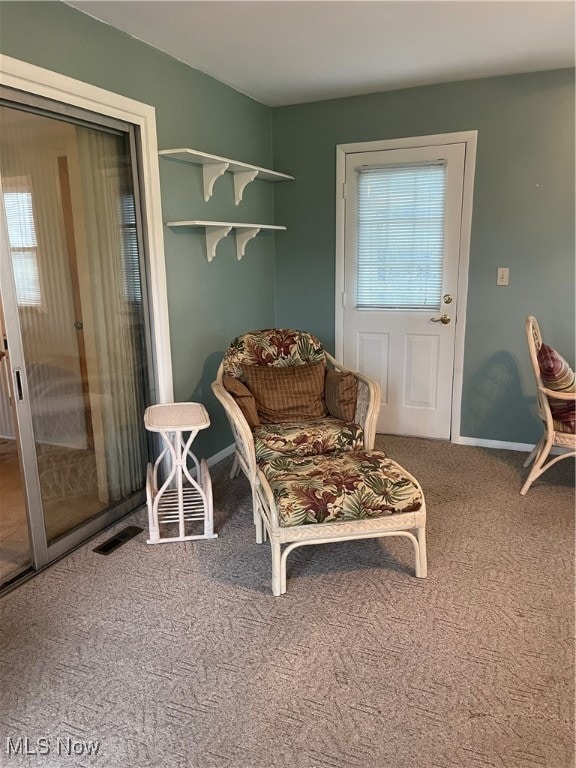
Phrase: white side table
(181, 499)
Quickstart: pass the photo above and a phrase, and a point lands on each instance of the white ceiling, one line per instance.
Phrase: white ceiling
(308, 50)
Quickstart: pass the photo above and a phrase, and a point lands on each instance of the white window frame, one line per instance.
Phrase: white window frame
(66, 90)
(470, 139)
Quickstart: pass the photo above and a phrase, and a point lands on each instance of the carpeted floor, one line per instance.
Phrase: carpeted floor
(178, 656)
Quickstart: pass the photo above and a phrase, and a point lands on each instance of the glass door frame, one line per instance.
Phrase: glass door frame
(68, 92)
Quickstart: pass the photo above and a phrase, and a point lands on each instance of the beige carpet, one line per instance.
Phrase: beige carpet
(178, 656)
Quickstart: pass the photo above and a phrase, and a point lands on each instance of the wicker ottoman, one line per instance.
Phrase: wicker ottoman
(337, 497)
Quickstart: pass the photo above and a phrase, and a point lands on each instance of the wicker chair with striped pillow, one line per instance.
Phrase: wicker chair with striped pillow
(304, 429)
(556, 401)
(284, 395)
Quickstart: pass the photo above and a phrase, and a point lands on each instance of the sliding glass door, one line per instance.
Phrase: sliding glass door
(74, 296)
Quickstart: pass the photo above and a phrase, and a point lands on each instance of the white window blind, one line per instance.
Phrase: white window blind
(401, 236)
(22, 238)
(130, 253)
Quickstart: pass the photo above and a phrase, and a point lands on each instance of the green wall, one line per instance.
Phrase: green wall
(523, 206)
(523, 218)
(209, 304)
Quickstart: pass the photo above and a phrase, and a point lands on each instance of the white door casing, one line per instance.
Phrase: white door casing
(417, 361)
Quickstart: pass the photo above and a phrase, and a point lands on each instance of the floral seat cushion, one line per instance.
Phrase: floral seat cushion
(339, 487)
(306, 438)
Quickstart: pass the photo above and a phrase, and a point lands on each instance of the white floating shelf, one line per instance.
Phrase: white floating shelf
(214, 166)
(217, 230)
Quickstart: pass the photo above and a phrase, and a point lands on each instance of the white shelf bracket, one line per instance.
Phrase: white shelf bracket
(241, 181)
(213, 237)
(210, 173)
(242, 238)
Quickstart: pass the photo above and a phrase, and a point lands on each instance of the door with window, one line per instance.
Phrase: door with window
(403, 215)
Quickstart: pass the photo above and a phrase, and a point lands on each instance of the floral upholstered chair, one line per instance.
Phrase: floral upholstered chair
(304, 429)
(274, 385)
(556, 400)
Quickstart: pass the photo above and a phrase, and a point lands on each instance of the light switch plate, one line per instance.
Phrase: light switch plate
(502, 277)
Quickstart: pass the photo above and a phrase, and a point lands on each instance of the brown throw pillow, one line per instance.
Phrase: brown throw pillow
(244, 399)
(340, 392)
(287, 393)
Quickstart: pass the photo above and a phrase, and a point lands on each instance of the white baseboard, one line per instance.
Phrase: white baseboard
(215, 459)
(501, 445)
(498, 444)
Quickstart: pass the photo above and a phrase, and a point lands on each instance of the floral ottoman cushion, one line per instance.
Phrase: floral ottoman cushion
(345, 486)
(306, 438)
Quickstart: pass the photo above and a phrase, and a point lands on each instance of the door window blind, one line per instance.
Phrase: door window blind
(401, 236)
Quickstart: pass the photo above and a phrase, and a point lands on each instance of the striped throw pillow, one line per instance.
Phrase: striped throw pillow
(557, 375)
(340, 392)
(288, 392)
(244, 399)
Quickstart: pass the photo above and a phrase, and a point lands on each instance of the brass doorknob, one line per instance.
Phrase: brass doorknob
(444, 319)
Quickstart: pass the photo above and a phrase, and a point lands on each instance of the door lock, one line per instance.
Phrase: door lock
(447, 298)
(444, 319)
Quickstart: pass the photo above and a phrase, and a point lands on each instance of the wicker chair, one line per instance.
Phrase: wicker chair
(557, 433)
(287, 458)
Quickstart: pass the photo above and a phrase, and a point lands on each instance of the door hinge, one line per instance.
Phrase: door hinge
(344, 299)
(344, 190)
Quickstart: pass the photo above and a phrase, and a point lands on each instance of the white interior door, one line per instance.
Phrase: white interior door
(403, 216)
